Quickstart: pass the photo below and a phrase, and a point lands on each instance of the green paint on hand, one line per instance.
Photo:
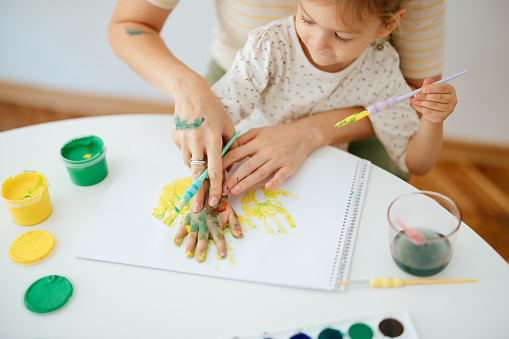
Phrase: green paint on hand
(182, 125)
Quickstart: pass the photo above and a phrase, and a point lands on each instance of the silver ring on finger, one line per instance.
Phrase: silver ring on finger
(197, 161)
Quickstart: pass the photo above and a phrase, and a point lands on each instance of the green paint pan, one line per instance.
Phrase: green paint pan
(85, 159)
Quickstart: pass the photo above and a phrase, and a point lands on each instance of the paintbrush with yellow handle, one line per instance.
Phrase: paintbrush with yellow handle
(398, 282)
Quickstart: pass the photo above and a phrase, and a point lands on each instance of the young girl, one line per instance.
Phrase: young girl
(329, 55)
(332, 55)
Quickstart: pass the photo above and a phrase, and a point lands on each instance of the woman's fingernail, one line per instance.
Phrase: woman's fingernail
(213, 201)
(222, 254)
(235, 190)
(196, 207)
(225, 190)
(424, 89)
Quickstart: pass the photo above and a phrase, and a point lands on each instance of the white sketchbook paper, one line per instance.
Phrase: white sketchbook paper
(315, 254)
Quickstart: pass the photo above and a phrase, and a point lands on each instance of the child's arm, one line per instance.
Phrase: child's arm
(435, 103)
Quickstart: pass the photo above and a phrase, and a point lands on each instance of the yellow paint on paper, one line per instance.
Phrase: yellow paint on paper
(268, 229)
(170, 197)
(291, 221)
(270, 207)
(231, 260)
(32, 247)
(280, 227)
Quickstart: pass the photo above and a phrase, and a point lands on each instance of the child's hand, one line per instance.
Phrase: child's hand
(436, 101)
(208, 223)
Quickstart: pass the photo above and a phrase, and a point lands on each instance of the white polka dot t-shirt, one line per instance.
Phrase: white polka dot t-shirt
(272, 82)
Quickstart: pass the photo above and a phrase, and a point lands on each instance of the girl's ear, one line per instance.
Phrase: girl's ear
(391, 24)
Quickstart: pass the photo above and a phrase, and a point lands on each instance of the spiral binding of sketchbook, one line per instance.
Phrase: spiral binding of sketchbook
(349, 226)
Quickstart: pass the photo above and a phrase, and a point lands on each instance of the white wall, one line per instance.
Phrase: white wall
(63, 45)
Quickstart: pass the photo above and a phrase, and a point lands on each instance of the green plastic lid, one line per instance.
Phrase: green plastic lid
(48, 294)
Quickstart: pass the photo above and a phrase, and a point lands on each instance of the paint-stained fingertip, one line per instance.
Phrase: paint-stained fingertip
(201, 257)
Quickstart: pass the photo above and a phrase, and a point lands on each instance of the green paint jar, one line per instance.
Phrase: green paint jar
(85, 159)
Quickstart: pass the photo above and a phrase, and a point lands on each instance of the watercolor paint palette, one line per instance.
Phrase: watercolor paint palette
(394, 324)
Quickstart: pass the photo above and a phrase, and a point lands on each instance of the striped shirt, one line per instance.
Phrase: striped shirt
(419, 39)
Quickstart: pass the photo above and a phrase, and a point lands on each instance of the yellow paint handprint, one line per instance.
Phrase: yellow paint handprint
(270, 207)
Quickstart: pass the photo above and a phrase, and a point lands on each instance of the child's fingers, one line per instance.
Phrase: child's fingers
(201, 249)
(429, 107)
(182, 231)
(218, 237)
(233, 221)
(432, 115)
(442, 88)
(191, 240)
(427, 81)
(438, 98)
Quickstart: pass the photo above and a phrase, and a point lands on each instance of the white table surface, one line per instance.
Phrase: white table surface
(121, 301)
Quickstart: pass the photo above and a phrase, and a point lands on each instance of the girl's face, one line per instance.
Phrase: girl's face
(331, 45)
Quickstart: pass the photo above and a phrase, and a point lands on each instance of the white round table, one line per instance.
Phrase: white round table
(122, 301)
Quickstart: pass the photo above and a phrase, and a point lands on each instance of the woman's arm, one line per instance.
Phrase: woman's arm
(200, 123)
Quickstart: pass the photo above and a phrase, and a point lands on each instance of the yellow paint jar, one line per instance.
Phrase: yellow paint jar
(26, 196)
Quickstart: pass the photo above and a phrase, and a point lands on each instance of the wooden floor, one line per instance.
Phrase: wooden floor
(475, 176)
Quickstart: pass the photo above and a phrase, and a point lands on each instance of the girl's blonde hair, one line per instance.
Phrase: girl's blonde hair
(350, 11)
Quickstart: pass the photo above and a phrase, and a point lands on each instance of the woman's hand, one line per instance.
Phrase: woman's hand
(200, 126)
(280, 149)
(436, 101)
(208, 223)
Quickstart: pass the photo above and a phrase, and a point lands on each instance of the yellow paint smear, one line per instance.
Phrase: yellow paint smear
(87, 156)
(32, 247)
(169, 198)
